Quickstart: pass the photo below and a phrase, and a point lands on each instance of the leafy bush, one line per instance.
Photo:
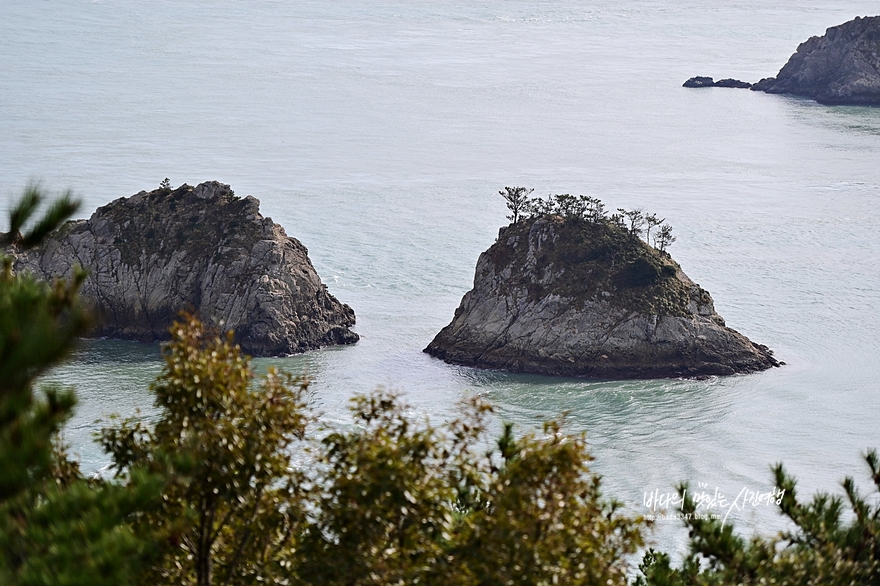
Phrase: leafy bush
(412, 504)
(232, 504)
(639, 273)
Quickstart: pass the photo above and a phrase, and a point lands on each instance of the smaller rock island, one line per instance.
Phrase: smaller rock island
(701, 81)
(200, 248)
(573, 292)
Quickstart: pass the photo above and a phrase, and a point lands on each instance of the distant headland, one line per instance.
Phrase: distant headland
(842, 67)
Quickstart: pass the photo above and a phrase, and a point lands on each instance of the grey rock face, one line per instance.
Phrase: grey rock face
(699, 81)
(733, 83)
(541, 304)
(841, 67)
(154, 254)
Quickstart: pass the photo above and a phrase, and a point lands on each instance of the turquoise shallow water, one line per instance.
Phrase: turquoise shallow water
(379, 135)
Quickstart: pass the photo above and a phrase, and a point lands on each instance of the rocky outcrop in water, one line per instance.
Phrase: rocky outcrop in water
(701, 81)
(842, 67)
(152, 254)
(561, 297)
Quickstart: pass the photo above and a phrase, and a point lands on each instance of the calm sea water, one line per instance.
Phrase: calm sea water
(379, 133)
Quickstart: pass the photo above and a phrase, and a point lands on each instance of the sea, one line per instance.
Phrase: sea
(379, 134)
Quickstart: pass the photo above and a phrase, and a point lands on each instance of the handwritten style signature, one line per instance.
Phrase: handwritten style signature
(712, 501)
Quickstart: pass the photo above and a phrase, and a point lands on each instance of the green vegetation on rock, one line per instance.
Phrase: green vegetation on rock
(155, 229)
(593, 255)
(568, 290)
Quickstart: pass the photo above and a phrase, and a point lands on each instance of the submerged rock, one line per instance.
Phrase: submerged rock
(570, 298)
(152, 254)
(840, 67)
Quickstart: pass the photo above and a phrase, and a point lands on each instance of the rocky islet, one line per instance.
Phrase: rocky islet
(203, 248)
(561, 297)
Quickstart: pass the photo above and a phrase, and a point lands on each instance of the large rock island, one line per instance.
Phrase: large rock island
(570, 297)
(152, 254)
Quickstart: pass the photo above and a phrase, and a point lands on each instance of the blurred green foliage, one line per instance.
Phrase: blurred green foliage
(408, 504)
(55, 526)
(383, 501)
(233, 503)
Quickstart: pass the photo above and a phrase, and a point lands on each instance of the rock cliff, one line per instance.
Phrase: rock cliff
(841, 67)
(562, 297)
(152, 254)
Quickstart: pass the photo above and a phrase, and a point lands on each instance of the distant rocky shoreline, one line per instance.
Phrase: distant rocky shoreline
(842, 67)
(154, 253)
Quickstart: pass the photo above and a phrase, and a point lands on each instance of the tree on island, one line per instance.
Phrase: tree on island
(636, 219)
(517, 199)
(651, 221)
(664, 238)
(595, 209)
(587, 209)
